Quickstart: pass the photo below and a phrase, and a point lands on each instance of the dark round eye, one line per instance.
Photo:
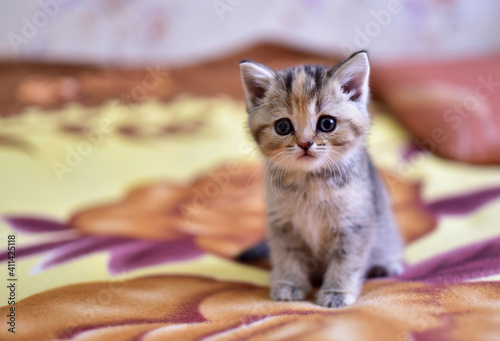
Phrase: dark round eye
(283, 126)
(326, 124)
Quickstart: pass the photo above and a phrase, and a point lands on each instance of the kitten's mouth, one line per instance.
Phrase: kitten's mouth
(306, 156)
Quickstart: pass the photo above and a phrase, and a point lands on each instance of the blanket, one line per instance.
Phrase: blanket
(127, 222)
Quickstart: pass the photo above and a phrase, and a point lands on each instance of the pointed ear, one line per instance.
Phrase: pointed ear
(256, 80)
(353, 75)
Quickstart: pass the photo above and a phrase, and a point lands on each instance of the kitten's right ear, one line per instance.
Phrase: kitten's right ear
(353, 75)
(256, 80)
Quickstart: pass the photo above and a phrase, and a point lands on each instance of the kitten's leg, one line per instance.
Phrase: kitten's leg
(387, 251)
(289, 276)
(346, 271)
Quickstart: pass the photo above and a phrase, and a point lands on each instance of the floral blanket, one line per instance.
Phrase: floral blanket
(128, 222)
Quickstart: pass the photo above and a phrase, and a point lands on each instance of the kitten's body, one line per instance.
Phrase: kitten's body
(328, 211)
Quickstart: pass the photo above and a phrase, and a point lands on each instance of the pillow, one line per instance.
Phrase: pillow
(452, 108)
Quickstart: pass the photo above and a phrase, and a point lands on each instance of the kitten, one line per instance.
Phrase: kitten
(328, 211)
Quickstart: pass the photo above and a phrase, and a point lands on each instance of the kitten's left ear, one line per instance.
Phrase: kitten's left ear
(256, 80)
(353, 75)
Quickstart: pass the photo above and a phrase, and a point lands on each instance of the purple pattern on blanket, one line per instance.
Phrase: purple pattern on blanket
(464, 203)
(34, 224)
(80, 247)
(470, 262)
(412, 150)
(144, 253)
(26, 251)
(126, 254)
(456, 204)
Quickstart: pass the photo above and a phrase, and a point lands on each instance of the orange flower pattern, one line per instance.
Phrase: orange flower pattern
(195, 308)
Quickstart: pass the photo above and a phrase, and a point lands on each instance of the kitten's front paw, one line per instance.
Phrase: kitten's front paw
(395, 269)
(288, 292)
(331, 299)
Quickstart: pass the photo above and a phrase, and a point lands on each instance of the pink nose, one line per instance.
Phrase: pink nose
(305, 145)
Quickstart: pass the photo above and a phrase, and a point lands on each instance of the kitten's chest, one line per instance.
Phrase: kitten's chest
(314, 226)
(316, 213)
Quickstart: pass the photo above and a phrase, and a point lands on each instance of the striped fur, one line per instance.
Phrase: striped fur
(328, 211)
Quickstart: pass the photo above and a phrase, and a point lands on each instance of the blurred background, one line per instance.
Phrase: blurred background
(124, 153)
(426, 54)
(123, 147)
(179, 33)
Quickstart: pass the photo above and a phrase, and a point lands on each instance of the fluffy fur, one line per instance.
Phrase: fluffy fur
(329, 215)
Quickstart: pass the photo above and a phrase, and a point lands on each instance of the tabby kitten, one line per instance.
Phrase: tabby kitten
(328, 211)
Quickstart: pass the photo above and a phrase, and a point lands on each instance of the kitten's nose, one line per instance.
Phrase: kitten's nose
(305, 145)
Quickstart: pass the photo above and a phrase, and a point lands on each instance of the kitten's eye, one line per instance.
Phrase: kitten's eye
(283, 126)
(326, 124)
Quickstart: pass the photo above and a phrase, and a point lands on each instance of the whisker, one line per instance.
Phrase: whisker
(264, 104)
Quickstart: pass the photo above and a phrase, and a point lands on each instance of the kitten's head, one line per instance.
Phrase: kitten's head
(309, 117)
